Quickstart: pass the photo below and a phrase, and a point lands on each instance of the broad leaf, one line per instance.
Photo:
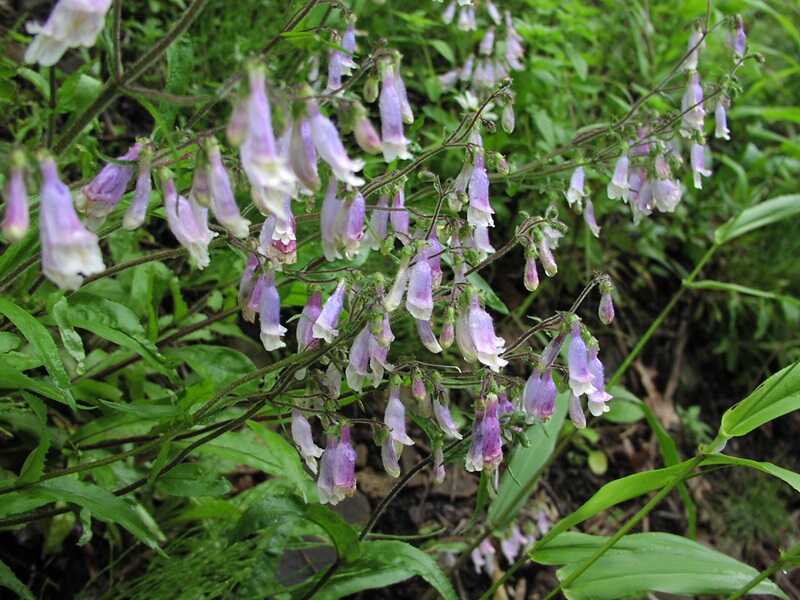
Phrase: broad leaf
(9, 580)
(191, 480)
(787, 476)
(33, 466)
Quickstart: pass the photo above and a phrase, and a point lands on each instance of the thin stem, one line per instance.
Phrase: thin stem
(117, 40)
(51, 118)
(790, 555)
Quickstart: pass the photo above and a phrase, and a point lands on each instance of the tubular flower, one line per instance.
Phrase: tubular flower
(72, 23)
(576, 414)
(492, 443)
(427, 337)
(589, 218)
(605, 310)
(466, 18)
(494, 14)
(474, 459)
(405, 106)
(331, 206)
(721, 130)
(738, 40)
(137, 211)
(481, 242)
(419, 301)
(337, 475)
(696, 44)
(350, 225)
(598, 400)
(303, 438)
(399, 216)
(439, 472)
(329, 145)
(618, 186)
(188, 222)
(16, 219)
(546, 257)
(269, 176)
(513, 543)
(487, 42)
(303, 154)
(581, 380)
(366, 136)
(577, 190)
(394, 298)
(483, 557)
(445, 420)
(247, 285)
(433, 252)
(515, 51)
(358, 365)
(305, 325)
(70, 252)
(395, 144)
(223, 203)
(480, 210)
(699, 170)
(102, 194)
(507, 118)
(692, 104)
(324, 327)
(448, 333)
(278, 239)
(269, 314)
(539, 395)
(378, 223)
(449, 13)
(488, 347)
(395, 418)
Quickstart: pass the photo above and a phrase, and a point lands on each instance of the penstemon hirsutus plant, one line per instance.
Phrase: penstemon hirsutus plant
(284, 160)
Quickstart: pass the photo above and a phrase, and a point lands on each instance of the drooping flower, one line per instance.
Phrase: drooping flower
(278, 239)
(699, 170)
(349, 228)
(487, 42)
(480, 241)
(16, 220)
(618, 186)
(513, 543)
(576, 414)
(395, 417)
(305, 324)
(480, 210)
(466, 18)
(433, 251)
(337, 477)
(303, 154)
(474, 459)
(738, 40)
(696, 44)
(580, 378)
(589, 218)
(269, 314)
(70, 252)
(72, 23)
(494, 14)
(449, 13)
(515, 51)
(399, 216)
(395, 144)
(200, 191)
(394, 298)
(487, 346)
(379, 223)
(448, 334)
(102, 194)
(539, 395)
(427, 337)
(333, 381)
(331, 206)
(405, 105)
(330, 148)
(419, 300)
(483, 557)
(492, 442)
(188, 222)
(577, 191)
(223, 202)
(606, 308)
(692, 104)
(247, 286)
(445, 420)
(303, 438)
(546, 257)
(137, 211)
(418, 389)
(507, 119)
(324, 327)
(358, 367)
(721, 130)
(366, 136)
(665, 193)
(598, 399)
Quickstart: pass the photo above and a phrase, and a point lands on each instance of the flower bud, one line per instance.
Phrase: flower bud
(137, 211)
(102, 194)
(531, 278)
(606, 308)
(16, 220)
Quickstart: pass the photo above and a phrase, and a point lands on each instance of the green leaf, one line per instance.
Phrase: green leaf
(33, 466)
(387, 562)
(768, 113)
(519, 481)
(768, 212)
(445, 50)
(101, 503)
(626, 408)
(43, 344)
(218, 364)
(190, 480)
(12, 379)
(69, 337)
(9, 580)
(648, 562)
(778, 395)
(785, 475)
(735, 288)
(8, 342)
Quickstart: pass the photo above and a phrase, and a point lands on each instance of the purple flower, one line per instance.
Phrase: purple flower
(547, 258)
(539, 395)
(399, 216)
(433, 251)
(474, 459)
(303, 155)
(278, 240)
(405, 106)
(504, 406)
(721, 130)
(427, 337)
(247, 285)
(465, 74)
(395, 144)
(448, 333)
(223, 203)
(598, 400)
(394, 298)
(381, 337)
(480, 240)
(330, 148)
(577, 190)
(390, 457)
(16, 219)
(515, 51)
(188, 222)
(738, 40)
(419, 301)
(449, 13)
(350, 225)
(305, 325)
(445, 420)
(487, 43)
(333, 381)
(395, 418)
(324, 327)
(466, 18)
(303, 438)
(378, 223)
(366, 136)
(696, 44)
(699, 170)
(576, 411)
(618, 186)
(588, 217)
(337, 476)
(580, 378)
(331, 205)
(552, 350)
(72, 23)
(488, 347)
(359, 361)
(513, 543)
(137, 211)
(70, 252)
(418, 389)
(692, 103)
(507, 119)
(438, 465)
(666, 194)
(200, 191)
(490, 433)
(480, 210)
(269, 314)
(606, 308)
(494, 14)
(104, 192)
(483, 557)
